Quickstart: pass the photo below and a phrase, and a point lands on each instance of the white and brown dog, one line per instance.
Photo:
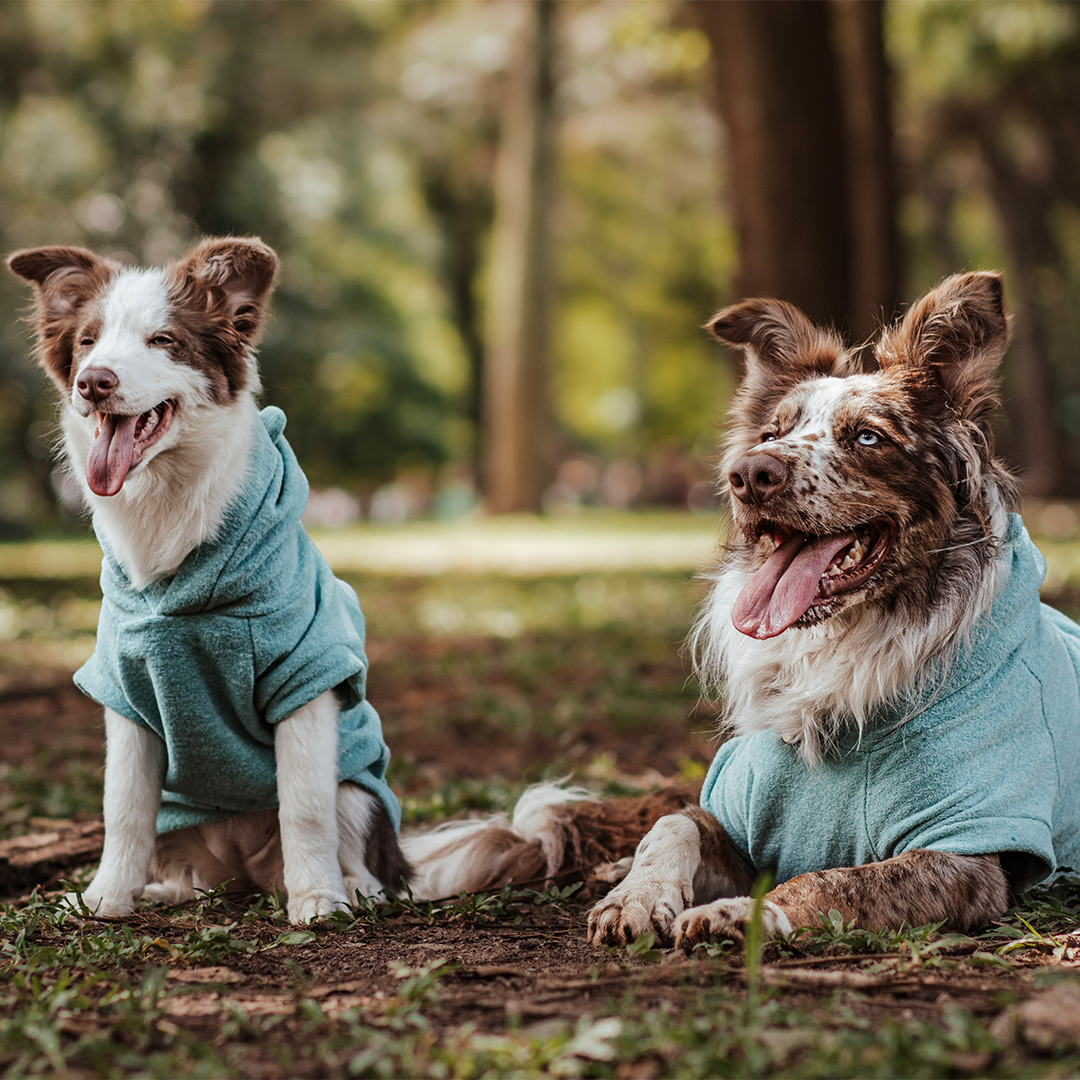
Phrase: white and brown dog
(240, 746)
(905, 714)
(229, 660)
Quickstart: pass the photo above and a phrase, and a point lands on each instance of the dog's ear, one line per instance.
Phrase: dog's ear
(782, 348)
(64, 279)
(778, 337)
(228, 277)
(955, 337)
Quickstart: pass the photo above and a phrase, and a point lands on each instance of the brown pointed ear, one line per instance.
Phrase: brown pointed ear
(783, 348)
(956, 336)
(228, 277)
(64, 279)
(777, 336)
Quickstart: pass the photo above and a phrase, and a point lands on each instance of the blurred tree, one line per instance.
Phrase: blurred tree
(866, 82)
(133, 127)
(361, 139)
(517, 409)
(802, 86)
(993, 147)
(643, 251)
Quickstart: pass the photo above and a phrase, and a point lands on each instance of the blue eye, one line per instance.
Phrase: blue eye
(868, 438)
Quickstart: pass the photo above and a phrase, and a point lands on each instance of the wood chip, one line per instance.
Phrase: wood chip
(40, 858)
(82, 842)
(853, 980)
(325, 989)
(205, 975)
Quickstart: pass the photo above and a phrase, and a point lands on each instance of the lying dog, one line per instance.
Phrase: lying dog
(229, 659)
(905, 714)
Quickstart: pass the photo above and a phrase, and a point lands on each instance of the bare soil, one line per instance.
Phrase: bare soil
(528, 963)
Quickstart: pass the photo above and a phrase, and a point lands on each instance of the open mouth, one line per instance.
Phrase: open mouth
(807, 572)
(120, 442)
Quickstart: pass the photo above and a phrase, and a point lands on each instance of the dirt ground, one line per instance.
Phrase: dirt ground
(515, 962)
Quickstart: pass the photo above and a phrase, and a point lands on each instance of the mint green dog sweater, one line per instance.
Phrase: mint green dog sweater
(253, 626)
(990, 764)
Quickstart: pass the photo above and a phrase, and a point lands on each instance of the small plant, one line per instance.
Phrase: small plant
(1033, 939)
(419, 989)
(1050, 908)
(643, 948)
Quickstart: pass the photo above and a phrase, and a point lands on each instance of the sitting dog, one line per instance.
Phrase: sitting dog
(905, 713)
(229, 660)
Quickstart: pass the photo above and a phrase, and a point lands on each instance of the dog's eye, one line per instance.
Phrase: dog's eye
(868, 438)
(87, 342)
(161, 341)
(768, 437)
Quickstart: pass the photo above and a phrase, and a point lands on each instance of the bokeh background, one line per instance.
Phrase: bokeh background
(502, 224)
(572, 187)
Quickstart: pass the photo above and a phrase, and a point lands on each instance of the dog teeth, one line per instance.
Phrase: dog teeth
(147, 426)
(852, 557)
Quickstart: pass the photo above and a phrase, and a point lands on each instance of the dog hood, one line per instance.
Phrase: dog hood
(253, 626)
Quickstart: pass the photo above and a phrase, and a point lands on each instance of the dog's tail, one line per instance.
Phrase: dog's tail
(556, 833)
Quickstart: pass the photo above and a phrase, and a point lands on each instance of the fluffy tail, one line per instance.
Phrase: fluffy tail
(554, 832)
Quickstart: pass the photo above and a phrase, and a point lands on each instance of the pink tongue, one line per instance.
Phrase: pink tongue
(785, 587)
(110, 457)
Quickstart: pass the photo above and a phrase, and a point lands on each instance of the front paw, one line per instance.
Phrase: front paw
(314, 904)
(625, 913)
(99, 905)
(727, 919)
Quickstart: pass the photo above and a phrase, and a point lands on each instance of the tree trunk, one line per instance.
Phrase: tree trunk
(803, 90)
(1022, 208)
(867, 92)
(461, 203)
(779, 99)
(516, 406)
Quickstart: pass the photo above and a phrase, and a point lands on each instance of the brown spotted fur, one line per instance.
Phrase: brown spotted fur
(937, 377)
(218, 292)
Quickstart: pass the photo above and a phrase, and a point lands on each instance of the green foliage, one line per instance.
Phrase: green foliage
(1046, 915)
(1054, 905)
(242, 118)
(833, 934)
(643, 948)
(71, 790)
(419, 989)
(95, 998)
(755, 933)
(360, 141)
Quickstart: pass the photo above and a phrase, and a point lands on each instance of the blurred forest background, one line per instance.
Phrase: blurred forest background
(502, 224)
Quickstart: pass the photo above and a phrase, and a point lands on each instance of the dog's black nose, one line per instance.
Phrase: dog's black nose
(96, 384)
(757, 477)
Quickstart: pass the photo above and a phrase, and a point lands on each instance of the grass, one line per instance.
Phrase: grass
(104, 1000)
(497, 984)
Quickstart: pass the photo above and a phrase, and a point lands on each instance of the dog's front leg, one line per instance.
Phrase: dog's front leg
(685, 858)
(916, 888)
(306, 747)
(134, 770)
